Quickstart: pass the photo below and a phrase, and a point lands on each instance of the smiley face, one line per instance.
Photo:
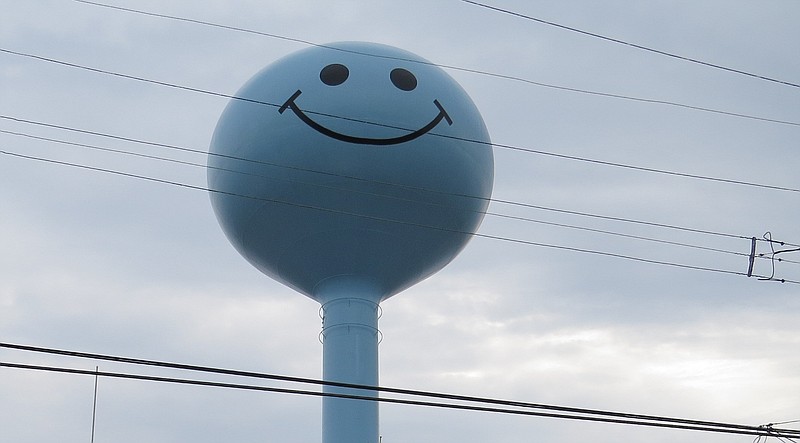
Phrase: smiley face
(336, 74)
(353, 162)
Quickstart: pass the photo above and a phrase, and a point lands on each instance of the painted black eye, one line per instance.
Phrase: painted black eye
(333, 75)
(403, 79)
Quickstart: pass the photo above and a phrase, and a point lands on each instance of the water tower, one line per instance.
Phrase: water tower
(350, 172)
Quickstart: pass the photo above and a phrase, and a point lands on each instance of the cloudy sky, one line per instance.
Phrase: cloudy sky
(591, 317)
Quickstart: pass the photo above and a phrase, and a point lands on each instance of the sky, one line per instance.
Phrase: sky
(557, 311)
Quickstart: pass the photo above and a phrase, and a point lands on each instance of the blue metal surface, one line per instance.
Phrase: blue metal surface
(349, 173)
(350, 355)
(303, 206)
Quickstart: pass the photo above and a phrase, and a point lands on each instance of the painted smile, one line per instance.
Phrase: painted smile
(290, 103)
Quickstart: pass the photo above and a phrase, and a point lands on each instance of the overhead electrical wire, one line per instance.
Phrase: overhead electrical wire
(469, 403)
(487, 213)
(498, 410)
(382, 219)
(501, 201)
(632, 45)
(444, 66)
(272, 164)
(496, 200)
(497, 145)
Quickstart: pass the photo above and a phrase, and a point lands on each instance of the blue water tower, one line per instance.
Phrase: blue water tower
(349, 172)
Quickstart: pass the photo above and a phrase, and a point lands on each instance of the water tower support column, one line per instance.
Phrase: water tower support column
(350, 355)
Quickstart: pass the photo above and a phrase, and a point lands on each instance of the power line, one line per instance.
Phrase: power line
(527, 219)
(558, 411)
(444, 66)
(419, 225)
(494, 214)
(647, 169)
(238, 386)
(432, 133)
(632, 45)
(487, 213)
(327, 186)
(355, 178)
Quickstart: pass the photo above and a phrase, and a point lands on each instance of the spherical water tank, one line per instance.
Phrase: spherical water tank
(352, 164)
